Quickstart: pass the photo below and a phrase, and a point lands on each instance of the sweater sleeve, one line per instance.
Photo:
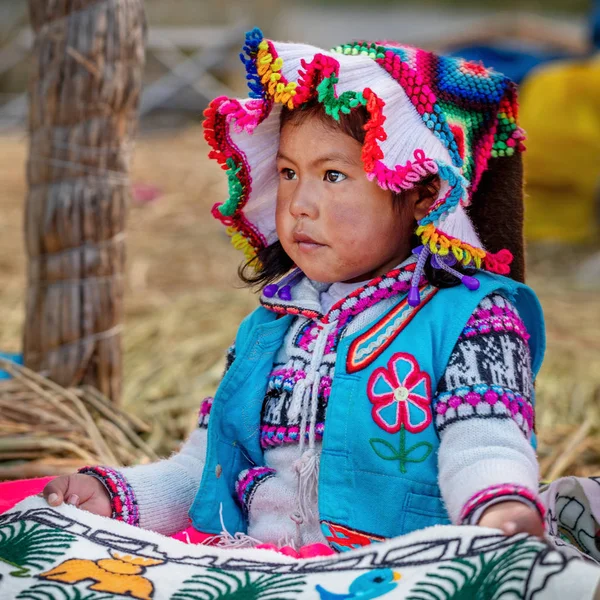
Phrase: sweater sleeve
(484, 415)
(158, 496)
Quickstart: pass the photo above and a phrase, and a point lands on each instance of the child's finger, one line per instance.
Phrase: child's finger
(55, 491)
(73, 499)
(510, 528)
(536, 527)
(99, 505)
(524, 524)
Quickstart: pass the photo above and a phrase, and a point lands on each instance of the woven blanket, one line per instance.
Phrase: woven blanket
(67, 554)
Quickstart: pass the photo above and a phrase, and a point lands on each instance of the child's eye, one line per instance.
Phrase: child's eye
(288, 174)
(334, 176)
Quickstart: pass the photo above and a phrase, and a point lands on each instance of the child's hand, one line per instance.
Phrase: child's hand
(513, 517)
(82, 491)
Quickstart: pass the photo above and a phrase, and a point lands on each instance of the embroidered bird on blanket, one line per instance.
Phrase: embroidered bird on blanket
(365, 587)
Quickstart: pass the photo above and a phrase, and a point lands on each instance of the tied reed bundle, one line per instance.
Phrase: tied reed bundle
(84, 90)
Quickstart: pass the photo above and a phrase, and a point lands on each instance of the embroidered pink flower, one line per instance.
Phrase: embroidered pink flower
(401, 395)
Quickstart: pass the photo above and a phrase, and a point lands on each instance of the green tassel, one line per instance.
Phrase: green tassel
(345, 103)
(236, 190)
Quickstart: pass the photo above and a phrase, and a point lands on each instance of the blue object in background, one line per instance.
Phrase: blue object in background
(516, 63)
(16, 358)
(512, 62)
(596, 24)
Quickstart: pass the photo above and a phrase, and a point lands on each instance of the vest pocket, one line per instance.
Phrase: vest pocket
(423, 510)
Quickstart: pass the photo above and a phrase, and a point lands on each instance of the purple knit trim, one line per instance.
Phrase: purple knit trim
(325, 387)
(502, 402)
(497, 319)
(204, 412)
(286, 379)
(272, 435)
(497, 491)
(308, 336)
(394, 283)
(391, 284)
(247, 483)
(122, 498)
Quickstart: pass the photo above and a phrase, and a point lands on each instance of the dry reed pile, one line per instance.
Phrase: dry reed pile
(46, 429)
(182, 311)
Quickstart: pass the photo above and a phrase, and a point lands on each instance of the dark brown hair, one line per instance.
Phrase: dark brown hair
(497, 225)
(496, 210)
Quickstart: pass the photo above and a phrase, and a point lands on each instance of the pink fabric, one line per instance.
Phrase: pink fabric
(193, 536)
(12, 492)
(309, 551)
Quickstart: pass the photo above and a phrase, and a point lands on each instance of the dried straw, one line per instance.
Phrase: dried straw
(45, 426)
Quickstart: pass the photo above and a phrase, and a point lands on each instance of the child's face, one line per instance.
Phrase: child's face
(333, 222)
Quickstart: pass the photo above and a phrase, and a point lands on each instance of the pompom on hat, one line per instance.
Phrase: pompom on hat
(427, 114)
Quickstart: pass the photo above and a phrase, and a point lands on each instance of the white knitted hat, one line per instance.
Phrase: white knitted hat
(427, 114)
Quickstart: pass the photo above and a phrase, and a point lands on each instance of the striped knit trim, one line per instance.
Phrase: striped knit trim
(505, 490)
(483, 401)
(496, 319)
(395, 282)
(286, 379)
(248, 482)
(124, 504)
(271, 435)
(204, 412)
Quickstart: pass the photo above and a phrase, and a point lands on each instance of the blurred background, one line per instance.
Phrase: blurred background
(182, 300)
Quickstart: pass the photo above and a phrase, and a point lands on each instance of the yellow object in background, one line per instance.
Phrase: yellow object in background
(560, 112)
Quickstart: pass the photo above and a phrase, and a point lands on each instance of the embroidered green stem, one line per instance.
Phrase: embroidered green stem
(402, 454)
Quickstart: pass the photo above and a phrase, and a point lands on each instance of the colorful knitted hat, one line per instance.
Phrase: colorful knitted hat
(427, 114)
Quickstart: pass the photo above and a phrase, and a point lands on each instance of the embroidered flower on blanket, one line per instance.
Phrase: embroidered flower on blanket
(401, 395)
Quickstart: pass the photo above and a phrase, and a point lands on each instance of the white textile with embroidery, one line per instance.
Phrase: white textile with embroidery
(59, 553)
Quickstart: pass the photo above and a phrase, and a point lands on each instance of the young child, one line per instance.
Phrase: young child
(385, 384)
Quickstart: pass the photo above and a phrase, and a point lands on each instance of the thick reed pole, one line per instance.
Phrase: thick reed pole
(84, 91)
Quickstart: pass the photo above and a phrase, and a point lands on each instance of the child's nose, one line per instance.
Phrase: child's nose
(304, 202)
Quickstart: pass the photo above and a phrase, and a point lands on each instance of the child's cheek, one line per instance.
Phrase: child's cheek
(344, 212)
(348, 227)
(280, 214)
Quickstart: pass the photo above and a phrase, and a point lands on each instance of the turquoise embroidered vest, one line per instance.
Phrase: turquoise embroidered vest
(378, 471)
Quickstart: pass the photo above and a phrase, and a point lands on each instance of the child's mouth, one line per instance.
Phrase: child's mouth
(305, 242)
(305, 246)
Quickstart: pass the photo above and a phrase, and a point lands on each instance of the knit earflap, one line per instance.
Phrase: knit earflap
(427, 115)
